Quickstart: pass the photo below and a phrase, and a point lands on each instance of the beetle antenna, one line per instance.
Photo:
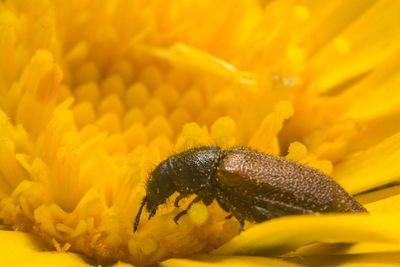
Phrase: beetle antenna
(137, 219)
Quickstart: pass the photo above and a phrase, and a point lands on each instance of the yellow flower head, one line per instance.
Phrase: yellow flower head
(95, 94)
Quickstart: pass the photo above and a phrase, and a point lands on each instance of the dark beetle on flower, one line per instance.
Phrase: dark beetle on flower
(247, 184)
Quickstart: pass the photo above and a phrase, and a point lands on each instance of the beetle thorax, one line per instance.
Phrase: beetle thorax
(193, 171)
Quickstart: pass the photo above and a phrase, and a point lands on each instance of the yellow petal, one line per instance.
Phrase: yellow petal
(369, 259)
(389, 205)
(343, 249)
(370, 168)
(288, 233)
(376, 21)
(21, 249)
(204, 261)
(378, 87)
(380, 193)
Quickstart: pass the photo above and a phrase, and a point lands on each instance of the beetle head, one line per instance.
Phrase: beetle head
(159, 187)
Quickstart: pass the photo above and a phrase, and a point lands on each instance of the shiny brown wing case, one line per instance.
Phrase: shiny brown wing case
(270, 186)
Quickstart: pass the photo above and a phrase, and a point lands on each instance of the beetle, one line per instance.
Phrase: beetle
(247, 184)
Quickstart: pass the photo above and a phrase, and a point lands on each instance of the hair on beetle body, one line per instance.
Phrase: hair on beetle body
(247, 184)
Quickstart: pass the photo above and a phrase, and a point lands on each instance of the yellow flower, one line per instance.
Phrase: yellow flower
(94, 94)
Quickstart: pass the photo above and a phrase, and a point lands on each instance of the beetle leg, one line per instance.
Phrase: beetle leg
(136, 223)
(241, 222)
(261, 214)
(229, 216)
(180, 214)
(207, 197)
(224, 200)
(152, 213)
(177, 199)
(239, 218)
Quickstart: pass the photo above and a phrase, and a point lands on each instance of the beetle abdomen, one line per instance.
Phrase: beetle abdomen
(279, 186)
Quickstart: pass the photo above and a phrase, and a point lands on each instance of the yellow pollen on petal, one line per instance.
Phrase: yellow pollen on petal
(44, 217)
(148, 246)
(285, 109)
(198, 213)
(223, 132)
(192, 135)
(297, 151)
(264, 137)
(324, 166)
